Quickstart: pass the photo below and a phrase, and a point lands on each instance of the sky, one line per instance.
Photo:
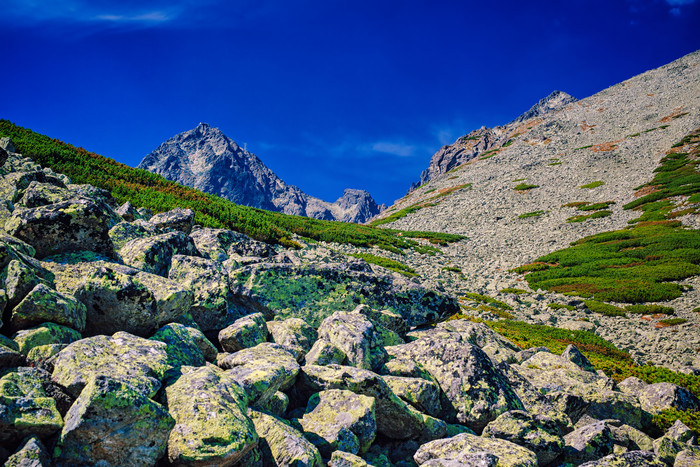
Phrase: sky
(329, 94)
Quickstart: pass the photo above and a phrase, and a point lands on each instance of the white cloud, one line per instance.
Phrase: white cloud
(397, 149)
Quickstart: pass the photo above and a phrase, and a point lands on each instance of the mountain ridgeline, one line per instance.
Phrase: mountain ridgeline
(206, 159)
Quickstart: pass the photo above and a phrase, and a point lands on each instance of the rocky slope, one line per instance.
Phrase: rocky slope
(141, 340)
(206, 159)
(613, 139)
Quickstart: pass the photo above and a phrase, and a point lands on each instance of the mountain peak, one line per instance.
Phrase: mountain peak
(554, 101)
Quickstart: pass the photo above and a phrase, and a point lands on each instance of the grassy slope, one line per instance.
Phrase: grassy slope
(145, 189)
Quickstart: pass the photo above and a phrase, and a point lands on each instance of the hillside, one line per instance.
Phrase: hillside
(206, 159)
(556, 179)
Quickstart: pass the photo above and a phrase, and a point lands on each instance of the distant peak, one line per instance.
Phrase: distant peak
(206, 125)
(556, 100)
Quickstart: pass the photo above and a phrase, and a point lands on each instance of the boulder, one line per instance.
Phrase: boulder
(31, 453)
(422, 394)
(118, 424)
(293, 332)
(182, 346)
(73, 225)
(261, 370)
(475, 391)
(311, 291)
(632, 438)
(394, 418)
(128, 212)
(345, 459)
(212, 427)
(177, 219)
(338, 419)
(21, 276)
(493, 344)
(687, 458)
(245, 246)
(214, 243)
(139, 362)
(244, 333)
(461, 448)
(537, 433)
(627, 459)
(275, 405)
(213, 307)
(280, 444)
(355, 335)
(44, 304)
(45, 334)
(10, 358)
(657, 397)
(125, 232)
(324, 353)
(590, 442)
(41, 194)
(572, 354)
(25, 408)
(153, 254)
(677, 438)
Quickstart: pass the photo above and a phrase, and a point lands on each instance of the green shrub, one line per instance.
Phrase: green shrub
(514, 291)
(668, 417)
(593, 185)
(452, 269)
(525, 187)
(604, 308)
(650, 309)
(488, 300)
(672, 321)
(386, 263)
(530, 214)
(560, 306)
(585, 217)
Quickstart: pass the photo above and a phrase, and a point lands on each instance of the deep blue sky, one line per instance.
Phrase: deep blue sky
(329, 94)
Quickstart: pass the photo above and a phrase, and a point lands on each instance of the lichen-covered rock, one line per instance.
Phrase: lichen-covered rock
(627, 459)
(244, 333)
(214, 243)
(280, 444)
(675, 440)
(355, 335)
(631, 385)
(40, 194)
(463, 446)
(25, 408)
(275, 405)
(330, 412)
(632, 438)
(139, 362)
(324, 353)
(10, 358)
(261, 370)
(550, 361)
(212, 426)
(687, 458)
(125, 299)
(44, 304)
(493, 344)
(424, 395)
(657, 397)
(124, 232)
(119, 425)
(572, 354)
(73, 225)
(387, 319)
(245, 246)
(345, 459)
(31, 453)
(21, 277)
(128, 212)
(394, 418)
(212, 308)
(43, 353)
(476, 391)
(312, 291)
(153, 254)
(45, 334)
(293, 332)
(588, 443)
(182, 348)
(176, 219)
(537, 433)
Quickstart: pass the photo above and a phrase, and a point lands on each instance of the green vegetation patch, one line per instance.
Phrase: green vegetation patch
(452, 269)
(650, 309)
(525, 187)
(561, 306)
(668, 417)
(514, 291)
(390, 264)
(595, 206)
(148, 190)
(591, 185)
(604, 309)
(585, 217)
(488, 300)
(672, 321)
(531, 214)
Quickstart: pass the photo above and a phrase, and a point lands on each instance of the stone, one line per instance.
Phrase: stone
(182, 348)
(25, 408)
(22, 275)
(41, 194)
(261, 370)
(142, 363)
(422, 394)
(214, 243)
(154, 254)
(128, 212)
(125, 232)
(355, 335)
(345, 459)
(244, 333)
(41, 354)
(276, 405)
(324, 353)
(687, 458)
(632, 438)
(45, 334)
(572, 354)
(537, 433)
(213, 307)
(120, 424)
(293, 332)
(330, 413)
(44, 304)
(627, 459)
(657, 397)
(590, 442)
(493, 344)
(676, 439)
(73, 225)
(394, 418)
(177, 219)
(212, 427)
(282, 444)
(464, 445)
(31, 453)
(631, 385)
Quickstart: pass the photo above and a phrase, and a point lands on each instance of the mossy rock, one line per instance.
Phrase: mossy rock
(45, 334)
(460, 447)
(182, 347)
(282, 444)
(31, 453)
(44, 304)
(153, 254)
(244, 333)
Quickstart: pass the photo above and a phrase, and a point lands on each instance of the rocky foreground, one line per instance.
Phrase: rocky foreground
(130, 339)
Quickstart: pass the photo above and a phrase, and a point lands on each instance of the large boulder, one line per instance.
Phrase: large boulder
(294, 333)
(210, 411)
(139, 362)
(44, 334)
(44, 304)
(589, 442)
(422, 394)
(41, 194)
(21, 276)
(312, 291)
(537, 433)
(31, 453)
(76, 224)
(183, 344)
(338, 419)
(356, 336)
(125, 232)
(657, 397)
(493, 344)
(394, 418)
(177, 219)
(476, 392)
(244, 333)
(215, 243)
(460, 448)
(153, 254)
(281, 444)
(117, 423)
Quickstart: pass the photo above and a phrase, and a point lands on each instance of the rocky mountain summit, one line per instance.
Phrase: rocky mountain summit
(483, 140)
(206, 159)
(136, 339)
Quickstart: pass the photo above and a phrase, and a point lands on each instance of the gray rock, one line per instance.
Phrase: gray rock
(153, 254)
(588, 443)
(120, 424)
(676, 439)
(128, 212)
(632, 438)
(275, 405)
(422, 394)
(44, 304)
(214, 243)
(464, 446)
(631, 385)
(572, 354)
(657, 397)
(193, 399)
(537, 433)
(281, 444)
(355, 335)
(345, 459)
(687, 458)
(7, 144)
(325, 353)
(175, 219)
(627, 459)
(22, 275)
(293, 332)
(244, 333)
(31, 453)
(124, 232)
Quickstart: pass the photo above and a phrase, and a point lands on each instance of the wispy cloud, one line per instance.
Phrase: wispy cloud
(397, 149)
